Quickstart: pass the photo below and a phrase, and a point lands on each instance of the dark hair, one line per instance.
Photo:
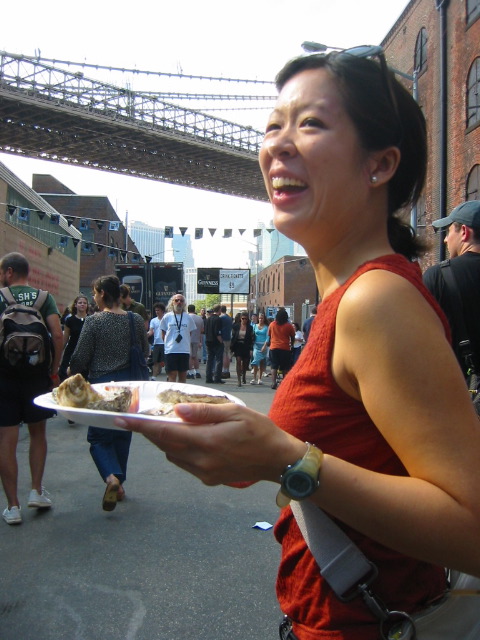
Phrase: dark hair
(282, 316)
(73, 306)
(475, 230)
(17, 263)
(191, 308)
(124, 290)
(110, 285)
(379, 124)
(159, 305)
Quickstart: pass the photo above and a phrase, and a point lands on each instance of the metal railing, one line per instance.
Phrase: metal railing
(37, 80)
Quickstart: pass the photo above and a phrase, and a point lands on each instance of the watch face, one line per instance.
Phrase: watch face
(299, 484)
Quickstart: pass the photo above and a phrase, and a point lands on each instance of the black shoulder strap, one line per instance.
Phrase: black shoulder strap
(464, 345)
(457, 305)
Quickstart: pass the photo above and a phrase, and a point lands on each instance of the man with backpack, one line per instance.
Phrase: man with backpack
(28, 368)
(455, 283)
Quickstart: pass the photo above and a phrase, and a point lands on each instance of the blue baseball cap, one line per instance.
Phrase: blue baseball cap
(466, 213)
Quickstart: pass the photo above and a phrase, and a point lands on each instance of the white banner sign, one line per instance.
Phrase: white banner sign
(234, 281)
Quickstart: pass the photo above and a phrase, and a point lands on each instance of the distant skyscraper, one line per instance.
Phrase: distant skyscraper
(274, 245)
(190, 275)
(150, 241)
(182, 250)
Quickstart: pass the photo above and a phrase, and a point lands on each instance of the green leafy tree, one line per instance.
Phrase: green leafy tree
(212, 300)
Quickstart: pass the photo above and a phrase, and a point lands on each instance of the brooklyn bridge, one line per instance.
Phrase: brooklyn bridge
(49, 113)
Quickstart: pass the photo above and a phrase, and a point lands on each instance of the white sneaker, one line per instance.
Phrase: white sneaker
(39, 500)
(253, 381)
(259, 381)
(13, 515)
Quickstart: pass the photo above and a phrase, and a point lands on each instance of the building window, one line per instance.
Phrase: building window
(420, 62)
(473, 10)
(473, 184)
(473, 94)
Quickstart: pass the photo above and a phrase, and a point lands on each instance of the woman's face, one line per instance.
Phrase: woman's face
(82, 305)
(261, 318)
(98, 298)
(311, 159)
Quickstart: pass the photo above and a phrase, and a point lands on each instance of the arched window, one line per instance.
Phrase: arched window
(473, 94)
(473, 183)
(473, 10)
(421, 51)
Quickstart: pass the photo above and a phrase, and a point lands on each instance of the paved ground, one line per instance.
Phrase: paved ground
(175, 561)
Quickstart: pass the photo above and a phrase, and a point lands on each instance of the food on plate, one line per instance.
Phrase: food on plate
(77, 392)
(170, 397)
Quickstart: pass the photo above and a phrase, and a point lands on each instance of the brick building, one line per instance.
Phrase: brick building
(30, 225)
(439, 40)
(101, 246)
(288, 282)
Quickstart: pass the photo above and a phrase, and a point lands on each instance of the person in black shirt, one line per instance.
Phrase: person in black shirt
(463, 242)
(214, 342)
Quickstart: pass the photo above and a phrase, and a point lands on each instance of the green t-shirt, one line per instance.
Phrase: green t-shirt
(27, 295)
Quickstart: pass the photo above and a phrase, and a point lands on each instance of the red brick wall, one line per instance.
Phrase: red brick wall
(463, 46)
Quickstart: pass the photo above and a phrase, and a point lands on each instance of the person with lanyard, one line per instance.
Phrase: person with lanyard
(177, 326)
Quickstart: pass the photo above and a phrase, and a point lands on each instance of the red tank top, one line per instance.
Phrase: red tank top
(310, 405)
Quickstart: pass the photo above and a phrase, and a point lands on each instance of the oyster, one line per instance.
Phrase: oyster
(77, 392)
(170, 397)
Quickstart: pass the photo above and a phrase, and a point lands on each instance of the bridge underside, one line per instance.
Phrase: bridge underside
(80, 138)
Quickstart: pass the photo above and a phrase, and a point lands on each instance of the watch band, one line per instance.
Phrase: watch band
(309, 465)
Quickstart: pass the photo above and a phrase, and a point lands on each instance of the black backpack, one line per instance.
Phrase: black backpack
(24, 338)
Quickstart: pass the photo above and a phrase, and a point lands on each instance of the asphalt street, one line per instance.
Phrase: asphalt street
(175, 561)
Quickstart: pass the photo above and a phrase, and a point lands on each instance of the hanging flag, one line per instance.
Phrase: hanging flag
(69, 219)
(135, 257)
(227, 233)
(182, 230)
(123, 256)
(168, 232)
(198, 234)
(54, 218)
(84, 224)
(241, 231)
(99, 224)
(270, 230)
(11, 209)
(112, 253)
(148, 259)
(87, 247)
(212, 231)
(99, 247)
(41, 214)
(113, 225)
(257, 233)
(75, 242)
(24, 215)
(63, 241)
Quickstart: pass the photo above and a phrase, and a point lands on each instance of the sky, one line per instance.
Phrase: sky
(248, 40)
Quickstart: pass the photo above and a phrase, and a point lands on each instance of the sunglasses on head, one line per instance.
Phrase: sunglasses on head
(368, 51)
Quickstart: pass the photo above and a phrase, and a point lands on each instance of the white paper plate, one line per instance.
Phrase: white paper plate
(148, 392)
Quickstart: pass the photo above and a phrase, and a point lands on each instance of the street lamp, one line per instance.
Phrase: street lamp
(317, 47)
